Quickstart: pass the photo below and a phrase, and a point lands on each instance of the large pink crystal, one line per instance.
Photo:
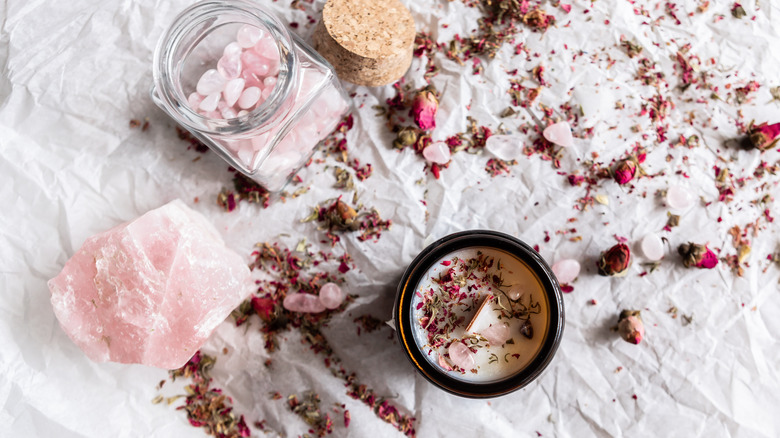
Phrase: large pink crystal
(149, 291)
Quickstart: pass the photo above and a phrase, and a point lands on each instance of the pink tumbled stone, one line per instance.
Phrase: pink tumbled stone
(229, 66)
(254, 63)
(211, 82)
(210, 103)
(566, 270)
(496, 334)
(303, 303)
(266, 47)
(437, 152)
(560, 134)
(247, 36)
(149, 291)
(194, 100)
(249, 97)
(461, 356)
(331, 295)
(232, 91)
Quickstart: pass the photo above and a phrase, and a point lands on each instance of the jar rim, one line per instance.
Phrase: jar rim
(166, 67)
(403, 313)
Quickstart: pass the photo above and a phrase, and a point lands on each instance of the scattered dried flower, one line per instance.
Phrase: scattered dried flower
(630, 326)
(614, 261)
(763, 136)
(697, 255)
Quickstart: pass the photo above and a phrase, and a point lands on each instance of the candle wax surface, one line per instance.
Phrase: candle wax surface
(448, 297)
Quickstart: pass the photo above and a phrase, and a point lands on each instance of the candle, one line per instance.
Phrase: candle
(479, 313)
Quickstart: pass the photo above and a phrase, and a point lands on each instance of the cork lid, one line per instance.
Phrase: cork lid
(372, 29)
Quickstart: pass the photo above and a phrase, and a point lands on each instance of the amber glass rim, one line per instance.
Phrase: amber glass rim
(404, 314)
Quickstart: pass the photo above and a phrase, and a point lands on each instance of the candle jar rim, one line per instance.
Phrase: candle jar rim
(200, 19)
(404, 314)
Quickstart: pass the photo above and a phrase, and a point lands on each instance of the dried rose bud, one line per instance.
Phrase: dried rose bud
(764, 137)
(424, 107)
(697, 255)
(406, 137)
(631, 327)
(346, 212)
(624, 171)
(615, 260)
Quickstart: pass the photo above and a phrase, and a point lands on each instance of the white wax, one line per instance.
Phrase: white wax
(493, 362)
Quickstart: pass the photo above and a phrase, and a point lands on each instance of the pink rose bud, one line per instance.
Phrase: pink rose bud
(615, 260)
(764, 137)
(631, 327)
(697, 255)
(624, 171)
(424, 107)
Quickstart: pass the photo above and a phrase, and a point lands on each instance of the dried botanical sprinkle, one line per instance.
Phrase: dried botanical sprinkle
(206, 407)
(367, 323)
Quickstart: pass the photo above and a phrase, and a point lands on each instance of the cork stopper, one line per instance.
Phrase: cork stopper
(368, 42)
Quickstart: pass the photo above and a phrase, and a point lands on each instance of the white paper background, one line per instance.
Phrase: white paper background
(74, 73)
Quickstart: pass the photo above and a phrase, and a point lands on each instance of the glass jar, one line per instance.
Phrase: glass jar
(232, 75)
(479, 314)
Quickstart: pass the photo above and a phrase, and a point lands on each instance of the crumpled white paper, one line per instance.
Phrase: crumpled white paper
(74, 73)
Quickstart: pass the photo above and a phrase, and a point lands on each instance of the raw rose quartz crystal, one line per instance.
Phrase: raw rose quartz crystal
(151, 290)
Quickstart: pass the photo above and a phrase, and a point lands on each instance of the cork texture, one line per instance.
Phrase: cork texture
(368, 42)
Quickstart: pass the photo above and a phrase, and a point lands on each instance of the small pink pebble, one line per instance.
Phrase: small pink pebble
(515, 292)
(461, 356)
(251, 79)
(256, 64)
(266, 47)
(210, 103)
(233, 91)
(504, 147)
(247, 36)
(210, 83)
(437, 152)
(232, 49)
(652, 247)
(496, 334)
(560, 134)
(331, 295)
(678, 198)
(249, 97)
(269, 82)
(194, 100)
(566, 270)
(229, 66)
(303, 303)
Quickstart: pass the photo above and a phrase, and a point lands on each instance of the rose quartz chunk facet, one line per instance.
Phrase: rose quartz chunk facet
(560, 134)
(149, 291)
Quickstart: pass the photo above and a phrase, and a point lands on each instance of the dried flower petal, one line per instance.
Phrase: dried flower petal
(764, 136)
(624, 171)
(424, 107)
(630, 326)
(615, 260)
(697, 255)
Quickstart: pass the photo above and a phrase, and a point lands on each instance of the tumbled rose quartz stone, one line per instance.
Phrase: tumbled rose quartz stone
(303, 303)
(497, 334)
(331, 295)
(566, 270)
(678, 198)
(560, 134)
(504, 147)
(437, 152)
(652, 247)
(461, 356)
(149, 291)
